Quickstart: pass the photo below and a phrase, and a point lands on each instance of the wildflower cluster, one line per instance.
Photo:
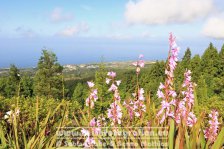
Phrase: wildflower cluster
(211, 132)
(94, 129)
(184, 110)
(178, 107)
(114, 112)
(136, 107)
(139, 64)
(166, 91)
(93, 95)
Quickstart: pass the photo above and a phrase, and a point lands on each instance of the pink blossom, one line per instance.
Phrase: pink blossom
(141, 63)
(211, 132)
(138, 106)
(85, 132)
(96, 128)
(165, 110)
(160, 94)
(108, 80)
(112, 74)
(166, 91)
(117, 95)
(115, 113)
(141, 56)
(191, 119)
(92, 97)
(171, 39)
(118, 82)
(184, 111)
(92, 123)
(90, 84)
(172, 93)
(89, 142)
(113, 87)
(161, 86)
(172, 60)
(189, 92)
(130, 109)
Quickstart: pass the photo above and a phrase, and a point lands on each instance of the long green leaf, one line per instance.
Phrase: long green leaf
(219, 141)
(171, 134)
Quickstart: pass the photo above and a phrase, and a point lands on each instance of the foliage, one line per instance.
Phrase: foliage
(32, 113)
(48, 78)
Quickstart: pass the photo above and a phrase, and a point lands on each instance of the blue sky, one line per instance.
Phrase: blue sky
(82, 31)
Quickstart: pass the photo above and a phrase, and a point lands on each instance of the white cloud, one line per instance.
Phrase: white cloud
(166, 11)
(58, 15)
(214, 27)
(74, 30)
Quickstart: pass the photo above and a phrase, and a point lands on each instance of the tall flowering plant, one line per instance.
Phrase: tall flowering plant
(94, 125)
(184, 111)
(211, 132)
(114, 112)
(94, 130)
(166, 91)
(92, 96)
(137, 107)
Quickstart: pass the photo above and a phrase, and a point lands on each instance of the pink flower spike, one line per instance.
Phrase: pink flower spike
(171, 39)
(211, 132)
(115, 113)
(90, 84)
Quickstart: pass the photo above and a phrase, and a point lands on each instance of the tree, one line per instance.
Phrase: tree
(221, 62)
(218, 86)
(186, 59)
(209, 63)
(26, 87)
(100, 82)
(80, 94)
(3, 84)
(195, 67)
(48, 78)
(202, 91)
(13, 82)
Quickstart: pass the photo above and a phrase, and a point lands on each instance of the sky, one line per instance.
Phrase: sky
(84, 31)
